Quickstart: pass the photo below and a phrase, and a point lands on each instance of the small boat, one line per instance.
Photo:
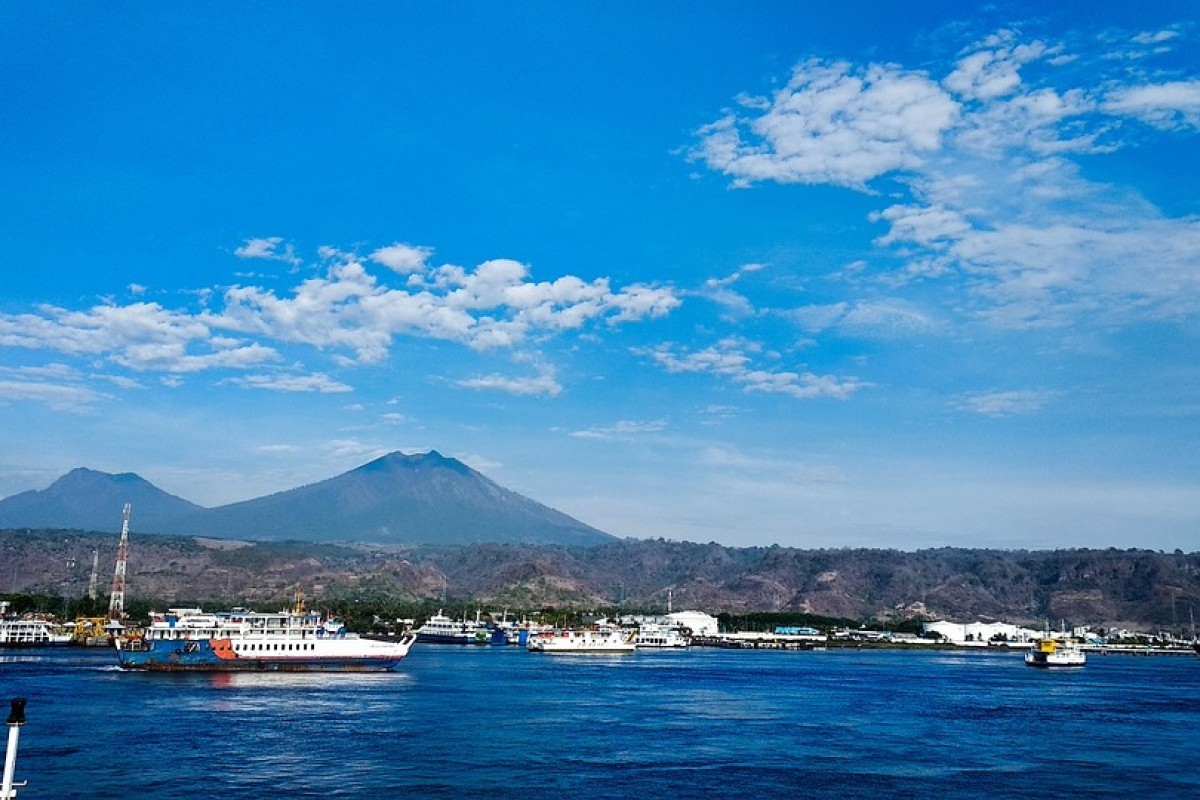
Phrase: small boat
(187, 639)
(661, 636)
(588, 640)
(1051, 653)
(29, 631)
(440, 629)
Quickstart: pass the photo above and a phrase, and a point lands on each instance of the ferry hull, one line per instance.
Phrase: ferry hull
(446, 638)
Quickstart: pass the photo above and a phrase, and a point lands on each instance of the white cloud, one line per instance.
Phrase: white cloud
(352, 449)
(140, 336)
(620, 429)
(884, 319)
(491, 307)
(58, 396)
(544, 384)
(1165, 105)
(1006, 403)
(292, 383)
(478, 463)
(1155, 37)
(992, 71)
(278, 449)
(720, 291)
(997, 214)
(495, 305)
(731, 358)
(832, 124)
(268, 249)
(404, 259)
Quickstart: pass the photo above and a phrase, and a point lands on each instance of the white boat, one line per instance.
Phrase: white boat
(661, 636)
(31, 632)
(187, 639)
(1052, 653)
(588, 640)
(440, 629)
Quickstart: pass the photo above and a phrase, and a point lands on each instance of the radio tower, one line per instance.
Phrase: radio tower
(116, 601)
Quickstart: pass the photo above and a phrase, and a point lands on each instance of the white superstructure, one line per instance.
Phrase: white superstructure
(31, 632)
(590, 640)
(660, 636)
(699, 623)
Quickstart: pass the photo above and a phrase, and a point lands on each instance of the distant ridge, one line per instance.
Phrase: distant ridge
(396, 499)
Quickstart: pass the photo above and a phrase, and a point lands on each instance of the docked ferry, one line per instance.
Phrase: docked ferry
(440, 629)
(661, 636)
(590, 640)
(31, 632)
(187, 639)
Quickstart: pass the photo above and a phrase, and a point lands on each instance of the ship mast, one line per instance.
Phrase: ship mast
(116, 602)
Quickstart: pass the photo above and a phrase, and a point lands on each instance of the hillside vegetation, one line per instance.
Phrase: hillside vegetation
(1115, 588)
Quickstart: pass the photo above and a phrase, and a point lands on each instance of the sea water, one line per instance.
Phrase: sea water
(495, 722)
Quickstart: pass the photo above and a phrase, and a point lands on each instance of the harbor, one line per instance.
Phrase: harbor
(839, 723)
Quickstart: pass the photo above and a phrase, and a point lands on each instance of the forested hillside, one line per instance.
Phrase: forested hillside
(1129, 588)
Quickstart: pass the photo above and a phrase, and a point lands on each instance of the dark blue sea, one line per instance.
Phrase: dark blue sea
(466, 722)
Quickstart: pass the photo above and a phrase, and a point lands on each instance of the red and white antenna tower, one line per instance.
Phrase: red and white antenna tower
(116, 600)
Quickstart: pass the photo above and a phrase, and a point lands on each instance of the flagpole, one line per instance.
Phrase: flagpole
(16, 719)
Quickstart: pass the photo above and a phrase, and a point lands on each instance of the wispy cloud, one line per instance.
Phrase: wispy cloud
(543, 384)
(721, 292)
(269, 249)
(292, 383)
(1006, 403)
(620, 429)
(733, 358)
(58, 396)
(883, 319)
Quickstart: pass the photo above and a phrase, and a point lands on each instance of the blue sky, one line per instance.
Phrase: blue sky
(821, 275)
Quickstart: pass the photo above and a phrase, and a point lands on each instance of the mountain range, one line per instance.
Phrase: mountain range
(396, 499)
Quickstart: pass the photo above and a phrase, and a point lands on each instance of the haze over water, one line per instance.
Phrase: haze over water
(500, 722)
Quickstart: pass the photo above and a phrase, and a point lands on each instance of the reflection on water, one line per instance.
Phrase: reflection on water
(301, 680)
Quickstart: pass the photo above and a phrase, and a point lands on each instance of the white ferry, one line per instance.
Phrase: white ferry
(31, 632)
(1051, 653)
(440, 629)
(661, 636)
(187, 639)
(590, 640)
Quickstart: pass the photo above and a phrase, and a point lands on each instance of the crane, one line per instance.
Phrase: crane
(91, 592)
(116, 600)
